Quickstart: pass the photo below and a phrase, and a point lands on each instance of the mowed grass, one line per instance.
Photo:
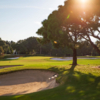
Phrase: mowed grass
(81, 82)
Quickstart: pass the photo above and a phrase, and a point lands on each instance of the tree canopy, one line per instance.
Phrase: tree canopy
(1, 50)
(70, 24)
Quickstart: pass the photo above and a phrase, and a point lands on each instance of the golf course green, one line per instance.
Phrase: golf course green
(80, 82)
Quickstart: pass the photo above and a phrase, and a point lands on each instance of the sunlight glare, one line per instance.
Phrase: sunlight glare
(83, 1)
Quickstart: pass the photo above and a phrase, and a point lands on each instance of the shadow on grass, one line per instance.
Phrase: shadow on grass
(74, 85)
(6, 66)
(82, 86)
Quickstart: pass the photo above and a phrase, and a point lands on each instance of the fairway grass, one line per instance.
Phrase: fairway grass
(81, 82)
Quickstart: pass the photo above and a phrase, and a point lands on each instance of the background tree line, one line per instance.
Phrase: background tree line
(5, 47)
(32, 46)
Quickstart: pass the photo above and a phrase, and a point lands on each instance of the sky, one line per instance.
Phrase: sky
(20, 19)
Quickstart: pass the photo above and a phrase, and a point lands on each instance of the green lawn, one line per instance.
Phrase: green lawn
(82, 83)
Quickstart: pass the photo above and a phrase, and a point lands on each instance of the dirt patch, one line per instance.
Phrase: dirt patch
(9, 66)
(28, 81)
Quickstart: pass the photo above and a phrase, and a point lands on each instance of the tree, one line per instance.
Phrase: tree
(86, 49)
(2, 43)
(26, 46)
(20, 48)
(62, 29)
(31, 44)
(89, 12)
(98, 44)
(1, 50)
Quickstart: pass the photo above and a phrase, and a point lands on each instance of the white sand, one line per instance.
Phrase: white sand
(23, 82)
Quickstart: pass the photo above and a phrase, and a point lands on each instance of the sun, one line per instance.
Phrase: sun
(83, 1)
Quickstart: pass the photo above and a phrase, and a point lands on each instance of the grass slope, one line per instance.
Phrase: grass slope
(81, 82)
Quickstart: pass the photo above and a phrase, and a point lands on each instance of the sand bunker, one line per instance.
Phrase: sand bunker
(28, 81)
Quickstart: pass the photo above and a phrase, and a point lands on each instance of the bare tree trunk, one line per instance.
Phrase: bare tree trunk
(74, 57)
(95, 47)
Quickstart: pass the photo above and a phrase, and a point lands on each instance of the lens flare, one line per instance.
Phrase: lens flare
(55, 42)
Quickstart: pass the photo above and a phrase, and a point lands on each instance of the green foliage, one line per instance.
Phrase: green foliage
(2, 43)
(98, 44)
(1, 50)
(86, 49)
(26, 46)
(71, 24)
(7, 46)
(63, 26)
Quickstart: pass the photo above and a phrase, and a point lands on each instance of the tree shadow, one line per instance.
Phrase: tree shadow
(74, 85)
(7, 66)
(81, 85)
